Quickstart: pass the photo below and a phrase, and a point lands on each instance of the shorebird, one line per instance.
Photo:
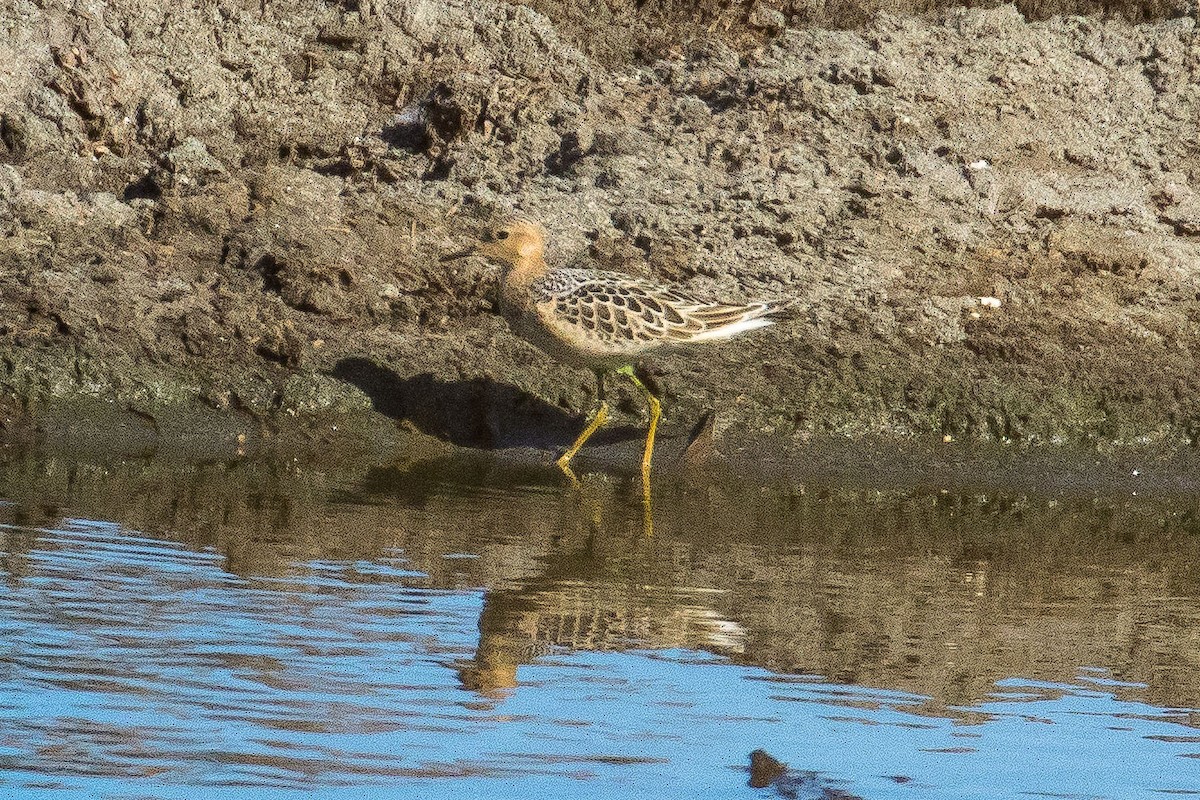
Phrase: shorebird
(603, 320)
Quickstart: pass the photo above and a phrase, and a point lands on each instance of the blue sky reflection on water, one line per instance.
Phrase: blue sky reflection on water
(131, 667)
(136, 667)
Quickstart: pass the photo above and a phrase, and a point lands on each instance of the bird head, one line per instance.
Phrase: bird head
(508, 243)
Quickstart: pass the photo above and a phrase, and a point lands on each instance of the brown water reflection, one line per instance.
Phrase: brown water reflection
(932, 593)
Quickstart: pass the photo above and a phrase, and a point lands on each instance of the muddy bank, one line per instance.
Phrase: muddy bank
(992, 223)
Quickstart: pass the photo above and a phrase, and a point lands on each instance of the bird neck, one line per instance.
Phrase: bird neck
(525, 269)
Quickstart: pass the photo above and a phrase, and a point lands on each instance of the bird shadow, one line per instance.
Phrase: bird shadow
(477, 413)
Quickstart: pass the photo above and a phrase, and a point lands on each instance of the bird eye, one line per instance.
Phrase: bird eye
(501, 234)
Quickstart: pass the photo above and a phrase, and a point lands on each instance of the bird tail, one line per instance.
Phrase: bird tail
(722, 322)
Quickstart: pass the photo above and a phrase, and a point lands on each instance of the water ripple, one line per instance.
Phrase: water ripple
(357, 654)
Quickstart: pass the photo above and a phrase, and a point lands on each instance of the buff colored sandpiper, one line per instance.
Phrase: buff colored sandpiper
(603, 320)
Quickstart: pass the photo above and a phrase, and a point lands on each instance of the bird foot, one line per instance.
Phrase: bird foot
(564, 463)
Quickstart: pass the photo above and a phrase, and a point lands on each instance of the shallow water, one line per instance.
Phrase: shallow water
(467, 627)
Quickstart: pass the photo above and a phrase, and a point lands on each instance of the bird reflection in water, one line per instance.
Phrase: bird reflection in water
(504, 644)
(583, 601)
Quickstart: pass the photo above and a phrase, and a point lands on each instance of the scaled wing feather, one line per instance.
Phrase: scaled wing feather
(620, 310)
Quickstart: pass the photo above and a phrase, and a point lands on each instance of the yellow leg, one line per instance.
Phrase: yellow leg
(647, 454)
(647, 512)
(598, 419)
(655, 413)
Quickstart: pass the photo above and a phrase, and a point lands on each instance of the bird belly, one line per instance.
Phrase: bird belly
(578, 348)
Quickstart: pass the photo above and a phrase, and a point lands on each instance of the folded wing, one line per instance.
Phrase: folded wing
(628, 313)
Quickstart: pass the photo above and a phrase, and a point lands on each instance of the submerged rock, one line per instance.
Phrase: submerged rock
(768, 772)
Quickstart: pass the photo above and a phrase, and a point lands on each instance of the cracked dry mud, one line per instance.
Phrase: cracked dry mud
(992, 222)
